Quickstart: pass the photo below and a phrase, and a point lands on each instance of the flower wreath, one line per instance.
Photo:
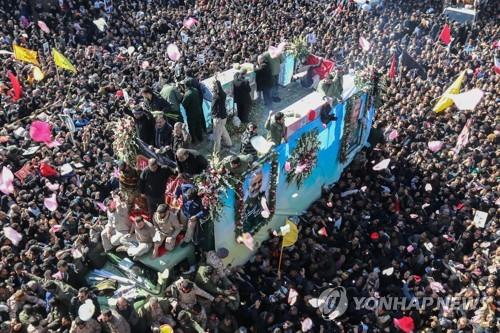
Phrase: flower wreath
(303, 158)
(212, 185)
(125, 143)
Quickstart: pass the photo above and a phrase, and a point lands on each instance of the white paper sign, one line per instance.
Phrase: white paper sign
(201, 58)
(285, 229)
(311, 38)
(184, 38)
(480, 218)
(338, 223)
(68, 121)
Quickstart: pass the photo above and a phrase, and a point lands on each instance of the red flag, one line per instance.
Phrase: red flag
(24, 172)
(17, 91)
(392, 70)
(445, 35)
(323, 232)
(405, 324)
(326, 66)
(47, 170)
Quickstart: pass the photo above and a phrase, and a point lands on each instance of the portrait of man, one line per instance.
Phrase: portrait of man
(356, 120)
(256, 199)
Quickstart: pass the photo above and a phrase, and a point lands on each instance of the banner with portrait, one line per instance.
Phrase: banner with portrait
(354, 123)
(286, 70)
(256, 202)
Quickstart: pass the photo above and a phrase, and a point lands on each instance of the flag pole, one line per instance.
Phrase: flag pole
(400, 67)
(57, 75)
(281, 256)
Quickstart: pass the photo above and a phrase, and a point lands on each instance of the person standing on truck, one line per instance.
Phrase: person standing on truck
(152, 184)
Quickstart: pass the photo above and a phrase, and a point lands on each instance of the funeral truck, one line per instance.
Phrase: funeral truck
(137, 280)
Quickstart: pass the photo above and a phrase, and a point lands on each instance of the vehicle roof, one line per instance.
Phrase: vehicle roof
(168, 260)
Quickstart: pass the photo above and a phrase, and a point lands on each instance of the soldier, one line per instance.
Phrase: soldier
(114, 322)
(89, 326)
(168, 225)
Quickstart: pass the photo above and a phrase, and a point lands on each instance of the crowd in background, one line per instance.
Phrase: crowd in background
(415, 217)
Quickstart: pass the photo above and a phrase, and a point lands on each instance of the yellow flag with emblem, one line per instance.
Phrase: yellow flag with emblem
(63, 62)
(290, 233)
(445, 102)
(27, 55)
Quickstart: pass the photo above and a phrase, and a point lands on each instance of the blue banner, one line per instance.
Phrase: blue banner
(286, 71)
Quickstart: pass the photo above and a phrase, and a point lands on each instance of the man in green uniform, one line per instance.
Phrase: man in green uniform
(192, 104)
(237, 164)
(331, 86)
(171, 94)
(275, 64)
(206, 280)
(275, 126)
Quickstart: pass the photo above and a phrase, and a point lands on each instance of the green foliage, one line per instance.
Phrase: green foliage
(298, 48)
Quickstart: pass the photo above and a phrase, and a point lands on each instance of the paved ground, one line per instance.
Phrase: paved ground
(289, 95)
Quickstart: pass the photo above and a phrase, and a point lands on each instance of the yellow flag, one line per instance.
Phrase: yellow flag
(445, 102)
(62, 61)
(25, 54)
(291, 233)
(38, 74)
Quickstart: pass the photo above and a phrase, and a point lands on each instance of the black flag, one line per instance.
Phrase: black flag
(407, 61)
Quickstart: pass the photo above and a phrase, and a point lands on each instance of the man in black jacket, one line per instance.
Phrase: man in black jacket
(190, 162)
(152, 184)
(264, 80)
(246, 140)
(219, 117)
(157, 103)
(242, 97)
(84, 294)
(163, 132)
(144, 125)
(127, 311)
(154, 102)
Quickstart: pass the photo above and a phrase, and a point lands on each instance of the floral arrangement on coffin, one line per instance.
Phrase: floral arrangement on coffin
(303, 158)
(211, 185)
(124, 144)
(363, 80)
(298, 48)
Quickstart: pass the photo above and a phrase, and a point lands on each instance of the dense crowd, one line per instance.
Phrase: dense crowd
(407, 231)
